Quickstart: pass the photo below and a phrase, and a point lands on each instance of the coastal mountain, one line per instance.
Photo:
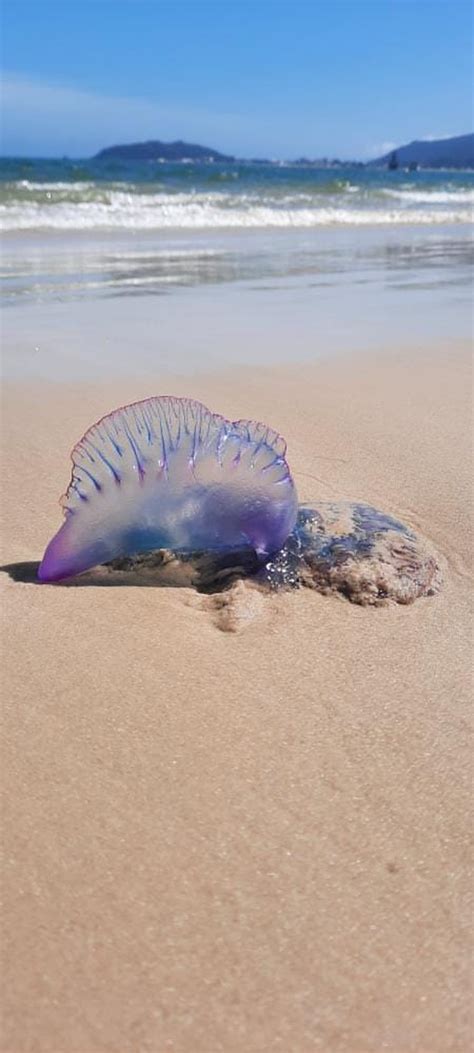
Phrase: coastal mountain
(457, 152)
(154, 150)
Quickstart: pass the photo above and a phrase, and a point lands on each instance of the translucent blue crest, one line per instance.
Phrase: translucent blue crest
(168, 473)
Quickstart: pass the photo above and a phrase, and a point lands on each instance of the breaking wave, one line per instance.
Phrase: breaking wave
(61, 195)
(432, 197)
(88, 206)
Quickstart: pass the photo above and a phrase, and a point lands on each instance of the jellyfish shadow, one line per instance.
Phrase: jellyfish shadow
(202, 572)
(27, 574)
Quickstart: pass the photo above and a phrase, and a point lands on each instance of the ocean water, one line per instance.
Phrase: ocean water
(109, 268)
(38, 195)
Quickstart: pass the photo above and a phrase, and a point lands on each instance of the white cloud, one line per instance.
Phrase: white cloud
(432, 138)
(379, 149)
(43, 118)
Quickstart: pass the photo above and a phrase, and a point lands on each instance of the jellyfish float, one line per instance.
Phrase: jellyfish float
(168, 475)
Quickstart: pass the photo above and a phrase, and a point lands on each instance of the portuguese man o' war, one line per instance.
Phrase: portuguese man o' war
(165, 492)
(168, 473)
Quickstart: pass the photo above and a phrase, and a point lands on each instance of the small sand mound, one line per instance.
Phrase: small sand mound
(236, 609)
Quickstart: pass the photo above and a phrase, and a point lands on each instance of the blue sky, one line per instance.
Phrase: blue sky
(277, 78)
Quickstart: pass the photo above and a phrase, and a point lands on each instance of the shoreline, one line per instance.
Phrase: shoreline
(191, 305)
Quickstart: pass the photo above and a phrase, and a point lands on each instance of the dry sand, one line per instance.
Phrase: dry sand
(254, 841)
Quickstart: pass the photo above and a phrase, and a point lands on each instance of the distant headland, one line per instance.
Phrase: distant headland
(155, 150)
(456, 152)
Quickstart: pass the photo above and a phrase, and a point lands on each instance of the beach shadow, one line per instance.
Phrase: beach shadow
(27, 573)
(152, 570)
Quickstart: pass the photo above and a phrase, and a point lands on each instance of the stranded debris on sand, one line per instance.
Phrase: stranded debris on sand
(163, 492)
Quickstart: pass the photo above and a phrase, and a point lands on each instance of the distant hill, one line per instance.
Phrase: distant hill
(154, 150)
(435, 153)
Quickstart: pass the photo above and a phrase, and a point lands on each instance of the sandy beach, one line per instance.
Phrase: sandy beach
(236, 527)
(253, 840)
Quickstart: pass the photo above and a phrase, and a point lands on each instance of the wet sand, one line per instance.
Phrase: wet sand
(253, 840)
(79, 306)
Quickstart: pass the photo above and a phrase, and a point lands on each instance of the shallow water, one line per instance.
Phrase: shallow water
(39, 267)
(82, 307)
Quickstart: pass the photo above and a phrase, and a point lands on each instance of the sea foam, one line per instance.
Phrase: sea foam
(90, 207)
